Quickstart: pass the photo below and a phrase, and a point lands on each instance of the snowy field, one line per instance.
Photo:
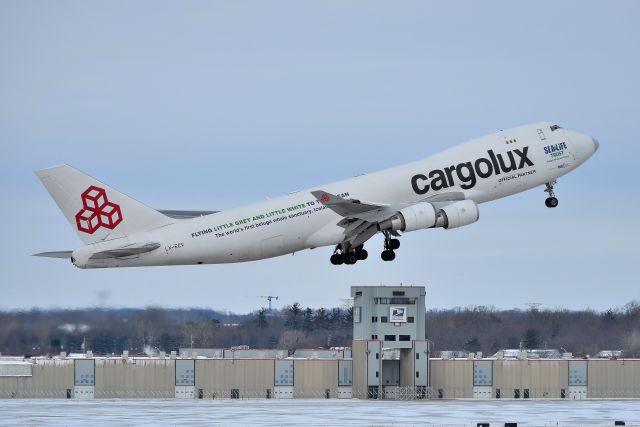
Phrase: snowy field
(315, 412)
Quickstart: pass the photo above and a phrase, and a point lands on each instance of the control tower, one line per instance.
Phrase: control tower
(390, 352)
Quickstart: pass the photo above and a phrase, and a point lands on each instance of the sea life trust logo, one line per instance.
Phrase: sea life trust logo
(555, 150)
(97, 211)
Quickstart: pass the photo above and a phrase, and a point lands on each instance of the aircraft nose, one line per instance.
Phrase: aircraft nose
(585, 146)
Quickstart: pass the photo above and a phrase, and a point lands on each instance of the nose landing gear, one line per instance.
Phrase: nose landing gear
(551, 201)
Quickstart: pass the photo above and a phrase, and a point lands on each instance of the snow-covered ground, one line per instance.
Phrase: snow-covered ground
(316, 412)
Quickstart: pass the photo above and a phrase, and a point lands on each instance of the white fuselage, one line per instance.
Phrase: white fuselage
(298, 221)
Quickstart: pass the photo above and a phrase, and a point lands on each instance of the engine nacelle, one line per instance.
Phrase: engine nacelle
(414, 217)
(457, 214)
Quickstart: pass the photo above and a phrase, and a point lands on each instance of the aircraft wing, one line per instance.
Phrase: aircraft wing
(350, 208)
(361, 219)
(126, 251)
(445, 198)
(180, 214)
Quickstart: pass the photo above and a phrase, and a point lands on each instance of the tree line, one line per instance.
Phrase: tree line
(583, 332)
(151, 330)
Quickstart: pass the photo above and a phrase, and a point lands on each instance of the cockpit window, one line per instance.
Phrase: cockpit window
(555, 127)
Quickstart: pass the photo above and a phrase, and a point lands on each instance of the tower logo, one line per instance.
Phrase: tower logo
(97, 211)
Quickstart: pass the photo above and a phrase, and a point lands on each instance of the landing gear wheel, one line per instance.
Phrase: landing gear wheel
(350, 258)
(337, 259)
(551, 201)
(390, 244)
(349, 255)
(388, 255)
(394, 244)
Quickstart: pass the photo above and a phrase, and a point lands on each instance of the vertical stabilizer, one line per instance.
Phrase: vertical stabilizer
(96, 211)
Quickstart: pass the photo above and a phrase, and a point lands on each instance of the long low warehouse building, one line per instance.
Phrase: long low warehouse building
(224, 378)
(535, 378)
(152, 377)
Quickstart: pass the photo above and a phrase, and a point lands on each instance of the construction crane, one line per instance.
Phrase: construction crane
(269, 298)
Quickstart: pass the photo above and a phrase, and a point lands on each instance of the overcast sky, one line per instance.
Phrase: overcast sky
(212, 105)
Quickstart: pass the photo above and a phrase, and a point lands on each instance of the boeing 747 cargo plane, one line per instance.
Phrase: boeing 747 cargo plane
(443, 190)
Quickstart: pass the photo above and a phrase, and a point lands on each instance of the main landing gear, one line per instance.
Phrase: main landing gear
(551, 201)
(390, 245)
(350, 256)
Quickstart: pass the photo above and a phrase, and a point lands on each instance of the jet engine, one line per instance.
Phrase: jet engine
(424, 215)
(457, 214)
(414, 217)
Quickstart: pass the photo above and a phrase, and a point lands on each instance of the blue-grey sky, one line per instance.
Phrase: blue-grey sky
(211, 105)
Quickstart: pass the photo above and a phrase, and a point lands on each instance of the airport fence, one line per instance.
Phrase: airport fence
(134, 394)
(33, 394)
(384, 393)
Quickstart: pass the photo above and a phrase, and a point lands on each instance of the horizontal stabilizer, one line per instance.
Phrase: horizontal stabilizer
(127, 251)
(177, 214)
(55, 254)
